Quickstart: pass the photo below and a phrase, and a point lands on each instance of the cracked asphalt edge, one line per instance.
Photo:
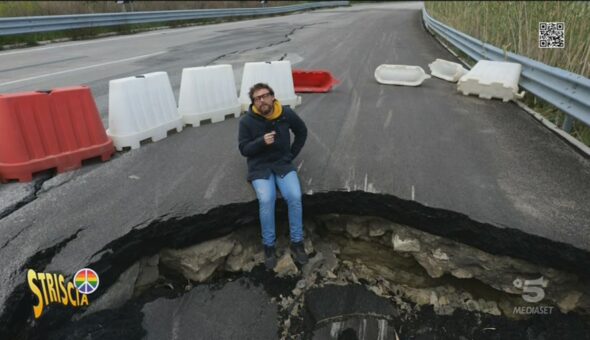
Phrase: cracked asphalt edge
(47, 181)
(23, 201)
(272, 44)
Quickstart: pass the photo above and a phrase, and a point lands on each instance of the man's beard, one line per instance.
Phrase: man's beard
(265, 109)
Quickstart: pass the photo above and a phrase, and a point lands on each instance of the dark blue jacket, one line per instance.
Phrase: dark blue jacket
(276, 157)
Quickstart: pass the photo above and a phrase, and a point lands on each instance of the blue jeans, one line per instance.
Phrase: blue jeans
(266, 194)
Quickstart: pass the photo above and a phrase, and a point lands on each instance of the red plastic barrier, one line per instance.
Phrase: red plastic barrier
(313, 80)
(41, 131)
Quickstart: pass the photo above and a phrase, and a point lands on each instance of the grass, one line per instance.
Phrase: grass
(513, 26)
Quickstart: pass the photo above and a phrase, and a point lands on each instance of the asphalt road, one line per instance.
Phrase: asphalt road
(487, 159)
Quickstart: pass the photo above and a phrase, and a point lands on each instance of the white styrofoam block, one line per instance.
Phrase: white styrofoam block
(447, 70)
(492, 79)
(141, 107)
(207, 92)
(277, 74)
(406, 75)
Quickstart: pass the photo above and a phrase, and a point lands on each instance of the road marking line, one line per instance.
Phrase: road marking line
(413, 193)
(26, 50)
(81, 68)
(300, 165)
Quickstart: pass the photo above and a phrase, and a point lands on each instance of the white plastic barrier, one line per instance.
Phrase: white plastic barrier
(400, 75)
(207, 92)
(277, 74)
(447, 70)
(492, 79)
(141, 107)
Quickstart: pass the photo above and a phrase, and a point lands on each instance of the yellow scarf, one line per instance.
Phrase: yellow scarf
(276, 112)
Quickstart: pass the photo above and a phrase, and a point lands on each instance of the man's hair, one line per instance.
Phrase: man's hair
(257, 87)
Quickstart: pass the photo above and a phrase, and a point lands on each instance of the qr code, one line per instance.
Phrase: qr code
(551, 35)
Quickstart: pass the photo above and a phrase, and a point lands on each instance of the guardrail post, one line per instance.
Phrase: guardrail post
(567, 123)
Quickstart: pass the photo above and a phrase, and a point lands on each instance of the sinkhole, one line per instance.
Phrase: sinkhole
(386, 269)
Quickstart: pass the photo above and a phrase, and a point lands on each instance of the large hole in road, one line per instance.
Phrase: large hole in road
(373, 274)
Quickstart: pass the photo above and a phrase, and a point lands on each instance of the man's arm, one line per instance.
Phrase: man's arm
(249, 146)
(300, 131)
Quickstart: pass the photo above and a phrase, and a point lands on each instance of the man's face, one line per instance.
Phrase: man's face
(263, 101)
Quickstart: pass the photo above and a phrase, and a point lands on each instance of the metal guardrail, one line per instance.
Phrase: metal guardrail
(22, 25)
(565, 90)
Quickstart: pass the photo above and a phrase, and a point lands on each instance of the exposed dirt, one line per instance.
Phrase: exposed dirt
(407, 281)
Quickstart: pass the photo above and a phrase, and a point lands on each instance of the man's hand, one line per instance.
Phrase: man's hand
(269, 138)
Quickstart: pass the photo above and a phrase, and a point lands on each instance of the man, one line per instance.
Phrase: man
(265, 140)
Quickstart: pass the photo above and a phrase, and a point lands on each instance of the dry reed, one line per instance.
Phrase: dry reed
(514, 25)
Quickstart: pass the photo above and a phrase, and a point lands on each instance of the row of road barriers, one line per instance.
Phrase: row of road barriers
(144, 106)
(61, 128)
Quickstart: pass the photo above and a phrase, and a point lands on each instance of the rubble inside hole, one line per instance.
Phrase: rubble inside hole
(416, 271)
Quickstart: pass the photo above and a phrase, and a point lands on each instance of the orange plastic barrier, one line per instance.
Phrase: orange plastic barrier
(45, 130)
(313, 80)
